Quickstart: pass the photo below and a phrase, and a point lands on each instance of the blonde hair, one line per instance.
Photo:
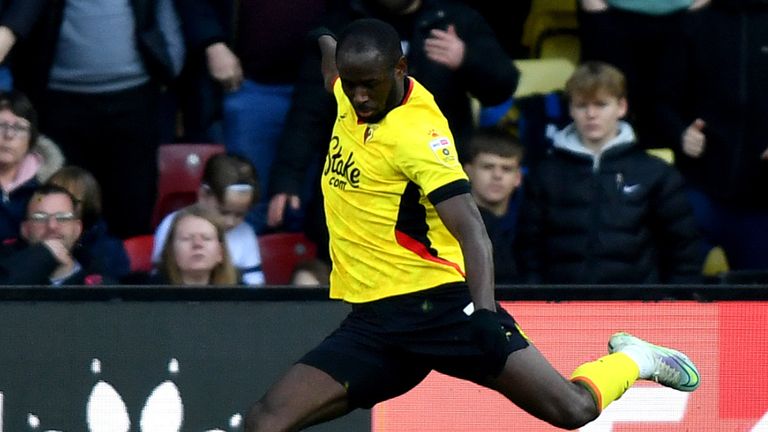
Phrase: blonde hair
(593, 78)
(223, 274)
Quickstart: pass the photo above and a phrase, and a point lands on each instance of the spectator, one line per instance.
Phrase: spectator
(95, 70)
(12, 25)
(494, 171)
(714, 103)
(632, 36)
(194, 251)
(311, 273)
(600, 209)
(27, 159)
(97, 248)
(450, 49)
(240, 75)
(229, 188)
(43, 255)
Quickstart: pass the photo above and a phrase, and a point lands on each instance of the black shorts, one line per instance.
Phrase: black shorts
(386, 347)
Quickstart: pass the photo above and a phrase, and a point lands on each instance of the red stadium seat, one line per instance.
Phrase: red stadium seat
(280, 252)
(180, 168)
(139, 250)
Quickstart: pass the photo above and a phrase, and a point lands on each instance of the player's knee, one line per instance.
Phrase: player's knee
(575, 413)
(261, 418)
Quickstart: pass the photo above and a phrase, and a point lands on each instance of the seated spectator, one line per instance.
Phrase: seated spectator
(194, 251)
(97, 248)
(494, 170)
(601, 210)
(311, 273)
(229, 189)
(43, 255)
(27, 159)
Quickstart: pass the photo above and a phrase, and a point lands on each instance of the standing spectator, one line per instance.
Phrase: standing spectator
(27, 159)
(14, 23)
(229, 189)
(600, 209)
(97, 248)
(43, 255)
(194, 251)
(495, 173)
(632, 35)
(450, 49)
(94, 70)
(240, 74)
(714, 103)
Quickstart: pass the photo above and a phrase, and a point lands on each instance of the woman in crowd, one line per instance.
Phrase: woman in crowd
(194, 252)
(27, 159)
(229, 189)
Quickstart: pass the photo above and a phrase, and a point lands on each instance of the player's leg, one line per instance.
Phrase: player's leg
(530, 382)
(304, 396)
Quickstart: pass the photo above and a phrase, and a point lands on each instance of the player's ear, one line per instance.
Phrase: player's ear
(401, 67)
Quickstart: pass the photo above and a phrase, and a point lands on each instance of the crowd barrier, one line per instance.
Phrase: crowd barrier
(161, 359)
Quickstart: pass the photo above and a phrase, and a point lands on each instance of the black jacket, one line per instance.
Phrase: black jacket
(487, 74)
(717, 72)
(25, 264)
(39, 23)
(622, 217)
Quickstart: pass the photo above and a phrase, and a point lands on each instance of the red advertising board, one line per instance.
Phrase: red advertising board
(727, 340)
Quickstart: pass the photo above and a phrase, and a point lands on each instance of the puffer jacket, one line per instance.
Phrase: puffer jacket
(620, 216)
(39, 164)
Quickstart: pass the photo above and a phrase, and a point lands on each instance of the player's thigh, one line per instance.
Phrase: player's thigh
(303, 396)
(530, 382)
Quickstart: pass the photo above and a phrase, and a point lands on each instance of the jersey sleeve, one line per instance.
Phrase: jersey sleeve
(429, 158)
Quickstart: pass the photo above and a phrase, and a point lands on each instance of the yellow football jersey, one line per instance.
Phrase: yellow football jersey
(386, 238)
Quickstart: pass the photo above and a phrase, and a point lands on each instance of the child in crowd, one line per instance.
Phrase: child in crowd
(494, 170)
(229, 188)
(599, 209)
(194, 251)
(96, 248)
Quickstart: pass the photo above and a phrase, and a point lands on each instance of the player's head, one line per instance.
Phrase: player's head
(597, 101)
(371, 67)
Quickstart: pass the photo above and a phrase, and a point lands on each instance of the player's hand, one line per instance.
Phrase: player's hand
(59, 251)
(7, 40)
(445, 47)
(224, 66)
(489, 333)
(277, 205)
(694, 140)
(764, 156)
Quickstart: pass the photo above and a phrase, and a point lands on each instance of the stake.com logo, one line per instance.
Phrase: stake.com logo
(106, 411)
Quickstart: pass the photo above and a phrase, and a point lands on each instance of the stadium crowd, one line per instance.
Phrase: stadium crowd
(91, 90)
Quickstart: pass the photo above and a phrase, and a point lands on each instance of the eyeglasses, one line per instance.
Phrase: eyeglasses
(11, 130)
(60, 217)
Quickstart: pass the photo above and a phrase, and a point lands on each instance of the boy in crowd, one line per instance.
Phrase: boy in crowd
(601, 210)
(494, 171)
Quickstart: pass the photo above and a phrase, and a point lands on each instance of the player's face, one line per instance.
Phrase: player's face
(493, 177)
(597, 117)
(196, 246)
(372, 86)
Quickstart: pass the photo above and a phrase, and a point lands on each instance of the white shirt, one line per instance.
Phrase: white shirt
(242, 246)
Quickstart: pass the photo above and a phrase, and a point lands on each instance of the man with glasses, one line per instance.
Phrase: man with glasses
(43, 255)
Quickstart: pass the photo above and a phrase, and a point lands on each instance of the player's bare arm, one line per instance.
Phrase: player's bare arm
(463, 220)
